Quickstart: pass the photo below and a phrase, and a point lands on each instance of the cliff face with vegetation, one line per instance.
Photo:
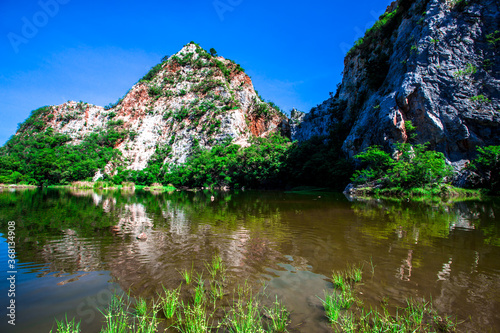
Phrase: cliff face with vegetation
(427, 72)
(432, 62)
(191, 100)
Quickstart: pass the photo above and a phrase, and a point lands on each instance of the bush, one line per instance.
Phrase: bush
(376, 162)
(381, 28)
(414, 167)
(155, 91)
(113, 123)
(487, 167)
(223, 68)
(418, 167)
(259, 165)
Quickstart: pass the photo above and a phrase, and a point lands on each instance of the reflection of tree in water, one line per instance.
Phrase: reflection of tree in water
(451, 243)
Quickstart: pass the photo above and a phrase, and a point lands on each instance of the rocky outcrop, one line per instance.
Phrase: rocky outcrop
(432, 62)
(315, 123)
(190, 99)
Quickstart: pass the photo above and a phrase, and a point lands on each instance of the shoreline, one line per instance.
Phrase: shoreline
(17, 186)
(441, 192)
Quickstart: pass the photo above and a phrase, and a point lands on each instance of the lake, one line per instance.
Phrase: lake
(76, 248)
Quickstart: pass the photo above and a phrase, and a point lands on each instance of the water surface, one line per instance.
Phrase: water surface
(76, 248)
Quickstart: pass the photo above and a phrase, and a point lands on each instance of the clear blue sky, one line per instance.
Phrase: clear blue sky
(52, 51)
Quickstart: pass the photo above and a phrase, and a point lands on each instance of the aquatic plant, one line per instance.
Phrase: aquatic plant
(278, 315)
(245, 317)
(141, 307)
(199, 292)
(332, 307)
(215, 266)
(187, 275)
(119, 318)
(354, 273)
(247, 314)
(195, 319)
(347, 323)
(338, 279)
(116, 316)
(372, 266)
(216, 290)
(147, 322)
(170, 301)
(415, 317)
(67, 326)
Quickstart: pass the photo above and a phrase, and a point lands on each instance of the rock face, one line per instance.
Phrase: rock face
(304, 126)
(432, 62)
(190, 99)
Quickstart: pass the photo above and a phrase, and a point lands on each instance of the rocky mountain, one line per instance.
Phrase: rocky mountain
(435, 63)
(190, 99)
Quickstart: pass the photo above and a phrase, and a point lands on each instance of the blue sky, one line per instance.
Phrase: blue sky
(52, 51)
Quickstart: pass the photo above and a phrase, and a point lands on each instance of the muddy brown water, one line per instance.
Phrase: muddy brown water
(77, 248)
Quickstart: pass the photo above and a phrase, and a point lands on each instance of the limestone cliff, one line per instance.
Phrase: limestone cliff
(191, 98)
(432, 62)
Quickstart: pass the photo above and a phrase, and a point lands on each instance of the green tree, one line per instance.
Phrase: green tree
(417, 167)
(487, 166)
(377, 163)
(414, 166)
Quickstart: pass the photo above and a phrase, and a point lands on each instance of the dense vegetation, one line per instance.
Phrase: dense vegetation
(272, 162)
(44, 158)
(41, 157)
(414, 166)
(486, 168)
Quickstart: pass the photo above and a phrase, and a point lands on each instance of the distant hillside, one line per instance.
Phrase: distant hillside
(191, 100)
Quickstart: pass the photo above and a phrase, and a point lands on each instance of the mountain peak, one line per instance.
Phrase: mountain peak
(189, 100)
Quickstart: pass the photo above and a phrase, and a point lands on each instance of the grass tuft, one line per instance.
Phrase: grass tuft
(187, 275)
(170, 302)
(278, 316)
(355, 273)
(199, 292)
(195, 319)
(215, 266)
(116, 316)
(67, 326)
(141, 307)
